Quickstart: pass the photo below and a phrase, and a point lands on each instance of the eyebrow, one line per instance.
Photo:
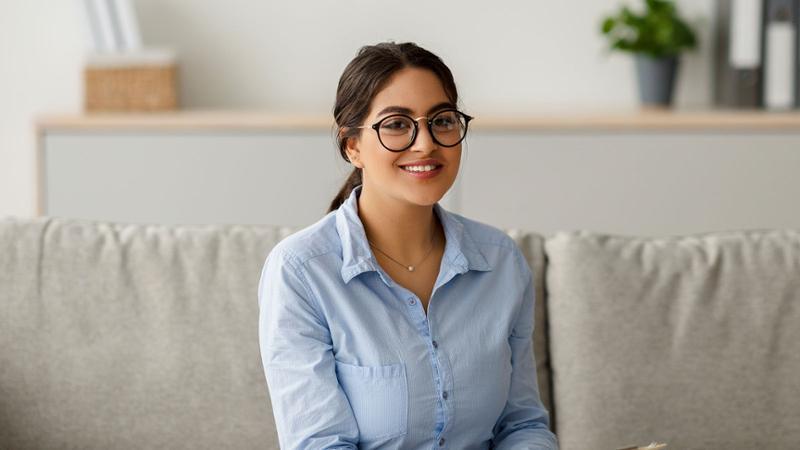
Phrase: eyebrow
(404, 110)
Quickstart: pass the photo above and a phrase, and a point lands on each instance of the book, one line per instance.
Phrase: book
(127, 25)
(780, 54)
(745, 35)
(737, 62)
(108, 37)
(797, 54)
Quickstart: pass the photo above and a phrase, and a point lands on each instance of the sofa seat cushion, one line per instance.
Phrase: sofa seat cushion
(693, 340)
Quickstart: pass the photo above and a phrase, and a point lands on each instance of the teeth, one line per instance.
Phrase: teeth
(419, 168)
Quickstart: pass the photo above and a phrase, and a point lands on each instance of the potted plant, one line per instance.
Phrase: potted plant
(656, 38)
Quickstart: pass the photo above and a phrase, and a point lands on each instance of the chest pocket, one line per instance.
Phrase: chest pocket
(378, 396)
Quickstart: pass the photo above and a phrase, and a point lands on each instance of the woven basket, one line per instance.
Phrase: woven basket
(133, 88)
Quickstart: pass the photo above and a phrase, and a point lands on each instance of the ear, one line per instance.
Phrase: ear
(353, 152)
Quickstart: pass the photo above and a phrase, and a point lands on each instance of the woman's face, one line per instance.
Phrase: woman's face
(421, 92)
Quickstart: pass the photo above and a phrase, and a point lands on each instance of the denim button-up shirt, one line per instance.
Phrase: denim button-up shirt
(352, 360)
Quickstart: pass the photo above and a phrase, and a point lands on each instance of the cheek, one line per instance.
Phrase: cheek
(378, 159)
(454, 160)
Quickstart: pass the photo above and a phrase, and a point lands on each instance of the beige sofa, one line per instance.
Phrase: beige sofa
(145, 336)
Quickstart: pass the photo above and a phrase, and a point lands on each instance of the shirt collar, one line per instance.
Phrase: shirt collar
(460, 252)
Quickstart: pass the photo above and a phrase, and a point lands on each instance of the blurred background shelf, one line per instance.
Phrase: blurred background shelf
(625, 172)
(559, 120)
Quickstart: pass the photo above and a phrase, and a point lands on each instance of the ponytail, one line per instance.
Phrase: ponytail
(352, 181)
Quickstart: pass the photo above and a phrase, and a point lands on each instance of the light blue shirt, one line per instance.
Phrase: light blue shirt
(352, 360)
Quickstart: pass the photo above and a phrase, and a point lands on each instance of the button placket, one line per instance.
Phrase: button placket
(416, 313)
(444, 381)
(438, 381)
(437, 375)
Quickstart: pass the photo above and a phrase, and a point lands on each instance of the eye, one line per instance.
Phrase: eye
(395, 124)
(444, 121)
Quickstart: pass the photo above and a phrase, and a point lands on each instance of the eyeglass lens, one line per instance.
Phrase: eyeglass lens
(396, 132)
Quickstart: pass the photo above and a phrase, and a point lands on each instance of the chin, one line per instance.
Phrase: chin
(427, 196)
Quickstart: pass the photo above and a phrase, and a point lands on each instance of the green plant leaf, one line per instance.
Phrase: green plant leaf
(608, 25)
(659, 31)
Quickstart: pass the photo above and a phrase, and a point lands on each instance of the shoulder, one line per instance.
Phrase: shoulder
(309, 242)
(485, 235)
(494, 243)
(284, 266)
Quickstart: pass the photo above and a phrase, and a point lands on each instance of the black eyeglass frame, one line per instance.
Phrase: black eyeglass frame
(429, 121)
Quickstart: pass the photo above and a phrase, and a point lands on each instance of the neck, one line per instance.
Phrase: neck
(400, 229)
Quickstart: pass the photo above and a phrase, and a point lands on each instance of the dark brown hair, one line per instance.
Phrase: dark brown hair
(363, 78)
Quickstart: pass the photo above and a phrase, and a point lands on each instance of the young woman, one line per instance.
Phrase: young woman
(424, 342)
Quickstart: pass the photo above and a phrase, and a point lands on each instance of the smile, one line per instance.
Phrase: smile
(420, 168)
(422, 172)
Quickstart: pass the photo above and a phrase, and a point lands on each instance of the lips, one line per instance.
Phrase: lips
(423, 174)
(422, 162)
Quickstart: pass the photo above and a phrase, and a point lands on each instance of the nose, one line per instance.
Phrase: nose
(424, 141)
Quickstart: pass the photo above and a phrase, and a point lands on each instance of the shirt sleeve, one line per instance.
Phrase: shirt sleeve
(524, 422)
(310, 408)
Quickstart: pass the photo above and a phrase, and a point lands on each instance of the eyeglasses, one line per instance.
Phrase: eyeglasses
(397, 132)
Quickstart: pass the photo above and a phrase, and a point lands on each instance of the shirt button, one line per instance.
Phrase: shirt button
(444, 395)
(411, 301)
(435, 344)
(441, 442)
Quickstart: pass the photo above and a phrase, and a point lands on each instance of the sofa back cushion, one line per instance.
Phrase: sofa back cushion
(532, 246)
(693, 341)
(132, 336)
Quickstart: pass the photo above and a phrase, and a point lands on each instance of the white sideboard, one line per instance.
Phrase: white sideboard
(640, 173)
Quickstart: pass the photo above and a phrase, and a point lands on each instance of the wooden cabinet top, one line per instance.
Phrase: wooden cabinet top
(254, 120)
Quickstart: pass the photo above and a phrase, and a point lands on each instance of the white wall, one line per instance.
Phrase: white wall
(40, 50)
(512, 57)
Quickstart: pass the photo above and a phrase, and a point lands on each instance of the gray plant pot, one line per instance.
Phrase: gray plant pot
(656, 79)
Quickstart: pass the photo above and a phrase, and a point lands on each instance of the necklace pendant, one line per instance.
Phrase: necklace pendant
(410, 268)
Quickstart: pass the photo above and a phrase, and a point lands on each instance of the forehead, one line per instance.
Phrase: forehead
(412, 88)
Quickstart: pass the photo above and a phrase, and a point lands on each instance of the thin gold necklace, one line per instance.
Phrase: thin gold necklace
(409, 268)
